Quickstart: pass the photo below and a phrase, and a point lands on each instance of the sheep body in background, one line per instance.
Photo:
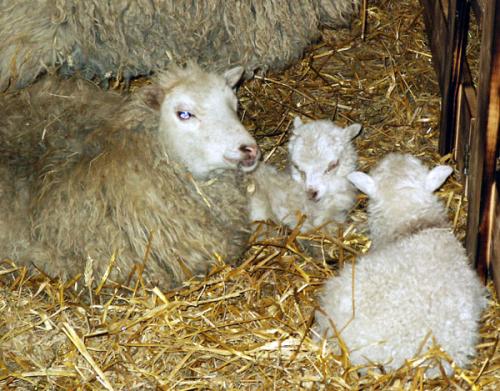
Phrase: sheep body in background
(156, 179)
(321, 155)
(107, 39)
(414, 283)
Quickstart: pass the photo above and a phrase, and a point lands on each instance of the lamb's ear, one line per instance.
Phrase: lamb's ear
(233, 76)
(436, 177)
(153, 95)
(297, 122)
(353, 130)
(363, 182)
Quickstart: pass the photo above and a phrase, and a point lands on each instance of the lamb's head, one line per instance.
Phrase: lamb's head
(198, 122)
(402, 200)
(320, 153)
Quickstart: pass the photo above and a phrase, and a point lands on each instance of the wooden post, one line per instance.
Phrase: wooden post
(458, 21)
(470, 117)
(482, 194)
(495, 261)
(437, 31)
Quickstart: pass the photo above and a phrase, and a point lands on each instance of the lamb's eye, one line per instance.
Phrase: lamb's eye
(184, 115)
(333, 164)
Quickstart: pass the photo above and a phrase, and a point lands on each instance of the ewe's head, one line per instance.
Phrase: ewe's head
(319, 152)
(401, 191)
(198, 121)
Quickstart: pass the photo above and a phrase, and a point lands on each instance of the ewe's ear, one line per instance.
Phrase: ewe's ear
(363, 182)
(436, 177)
(353, 130)
(153, 96)
(233, 76)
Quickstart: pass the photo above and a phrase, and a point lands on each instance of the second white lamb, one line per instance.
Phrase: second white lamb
(414, 285)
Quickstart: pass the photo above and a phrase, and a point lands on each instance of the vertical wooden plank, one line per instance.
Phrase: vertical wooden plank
(495, 261)
(459, 106)
(436, 26)
(478, 8)
(484, 145)
(465, 121)
(458, 21)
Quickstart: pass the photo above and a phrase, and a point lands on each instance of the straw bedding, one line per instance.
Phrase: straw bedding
(247, 327)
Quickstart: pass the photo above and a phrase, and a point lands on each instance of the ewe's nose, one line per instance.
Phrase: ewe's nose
(250, 154)
(250, 151)
(312, 194)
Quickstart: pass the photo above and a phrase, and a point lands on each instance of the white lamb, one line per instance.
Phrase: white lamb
(415, 284)
(321, 156)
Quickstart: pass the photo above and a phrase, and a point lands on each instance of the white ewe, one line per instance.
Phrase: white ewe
(415, 283)
(321, 156)
(154, 178)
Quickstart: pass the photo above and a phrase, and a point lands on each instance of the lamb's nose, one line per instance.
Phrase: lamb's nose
(312, 194)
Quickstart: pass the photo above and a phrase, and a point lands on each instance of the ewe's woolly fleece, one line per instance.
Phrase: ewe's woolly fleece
(420, 282)
(82, 173)
(127, 38)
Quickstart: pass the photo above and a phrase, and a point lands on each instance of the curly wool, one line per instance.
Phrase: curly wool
(414, 285)
(83, 175)
(107, 39)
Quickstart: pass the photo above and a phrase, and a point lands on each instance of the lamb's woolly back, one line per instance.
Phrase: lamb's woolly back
(406, 290)
(420, 287)
(95, 176)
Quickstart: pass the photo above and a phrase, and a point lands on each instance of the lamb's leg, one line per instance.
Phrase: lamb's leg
(259, 208)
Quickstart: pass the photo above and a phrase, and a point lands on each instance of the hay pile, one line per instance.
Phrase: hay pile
(248, 327)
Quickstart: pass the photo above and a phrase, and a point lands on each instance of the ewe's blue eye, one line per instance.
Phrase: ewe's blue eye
(184, 115)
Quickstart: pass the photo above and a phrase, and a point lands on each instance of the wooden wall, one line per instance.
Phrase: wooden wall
(470, 115)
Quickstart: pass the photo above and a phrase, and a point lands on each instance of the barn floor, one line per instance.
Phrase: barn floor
(247, 327)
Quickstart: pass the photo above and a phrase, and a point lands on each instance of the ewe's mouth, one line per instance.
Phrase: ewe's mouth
(246, 165)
